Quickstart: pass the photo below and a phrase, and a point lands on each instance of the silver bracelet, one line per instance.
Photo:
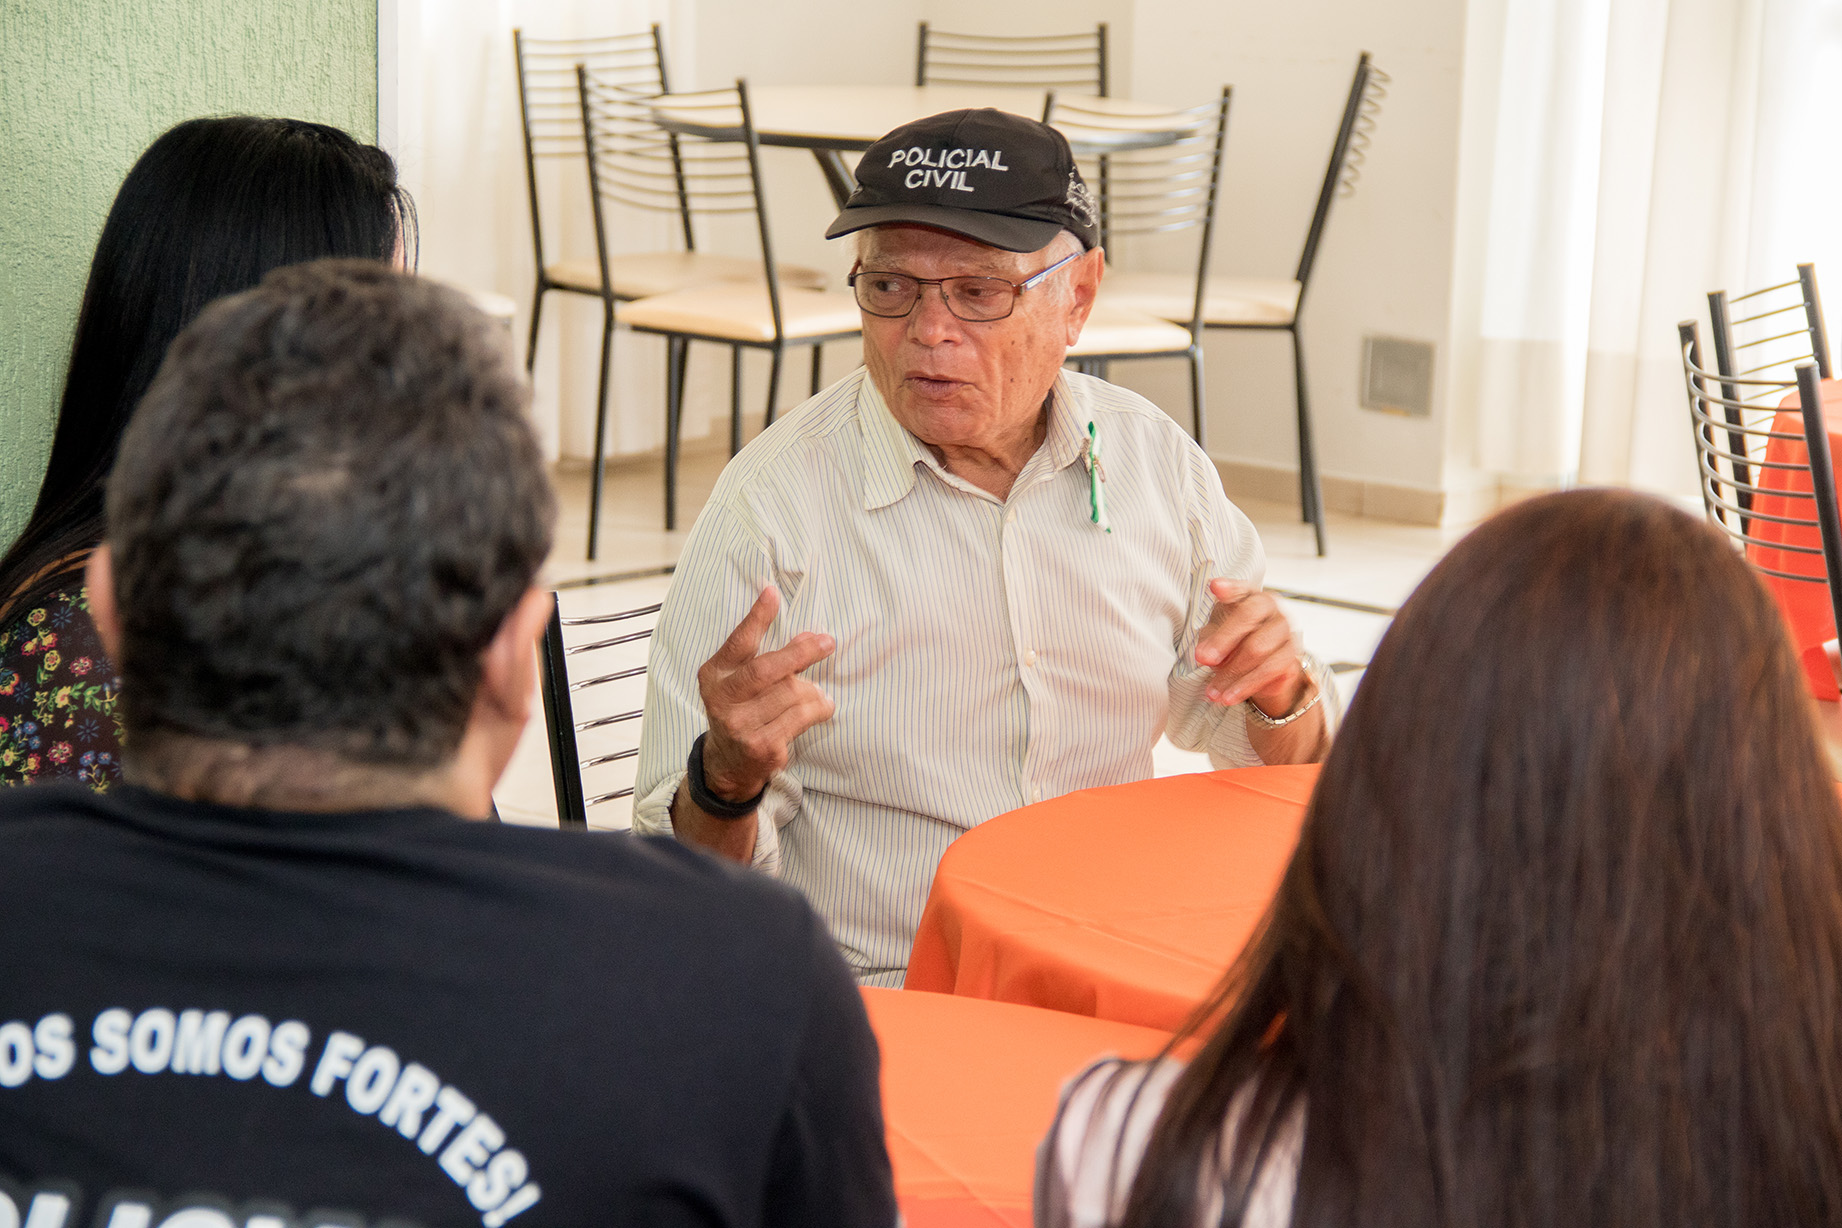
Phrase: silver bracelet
(1279, 722)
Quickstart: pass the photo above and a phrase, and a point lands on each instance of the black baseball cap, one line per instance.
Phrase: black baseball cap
(988, 175)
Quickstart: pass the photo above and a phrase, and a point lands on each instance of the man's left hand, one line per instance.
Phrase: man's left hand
(1251, 648)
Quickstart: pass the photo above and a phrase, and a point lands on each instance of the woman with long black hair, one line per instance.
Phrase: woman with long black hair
(209, 208)
(1562, 940)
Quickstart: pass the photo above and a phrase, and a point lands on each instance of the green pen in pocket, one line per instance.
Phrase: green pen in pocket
(1096, 477)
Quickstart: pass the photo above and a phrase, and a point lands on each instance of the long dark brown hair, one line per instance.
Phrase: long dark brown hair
(1561, 941)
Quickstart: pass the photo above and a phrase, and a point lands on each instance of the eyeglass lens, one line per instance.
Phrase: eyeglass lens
(893, 295)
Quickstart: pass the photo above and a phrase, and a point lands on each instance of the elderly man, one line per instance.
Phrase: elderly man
(961, 579)
(277, 972)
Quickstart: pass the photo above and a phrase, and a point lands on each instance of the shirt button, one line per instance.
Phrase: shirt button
(1029, 658)
(1037, 796)
(1010, 517)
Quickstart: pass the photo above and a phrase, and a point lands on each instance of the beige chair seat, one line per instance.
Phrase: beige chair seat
(738, 311)
(1231, 301)
(1114, 330)
(644, 274)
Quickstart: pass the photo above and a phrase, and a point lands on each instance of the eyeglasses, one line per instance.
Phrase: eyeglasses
(978, 300)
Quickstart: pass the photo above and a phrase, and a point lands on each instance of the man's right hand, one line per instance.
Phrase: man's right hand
(757, 705)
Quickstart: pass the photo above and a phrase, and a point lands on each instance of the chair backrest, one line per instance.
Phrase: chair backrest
(1367, 90)
(1766, 489)
(609, 697)
(1165, 188)
(1040, 61)
(1768, 336)
(1776, 329)
(548, 107)
(713, 168)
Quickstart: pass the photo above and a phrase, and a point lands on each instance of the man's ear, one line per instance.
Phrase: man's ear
(1084, 284)
(507, 665)
(99, 582)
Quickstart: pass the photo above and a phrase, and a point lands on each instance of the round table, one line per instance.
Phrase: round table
(1124, 903)
(834, 119)
(969, 1090)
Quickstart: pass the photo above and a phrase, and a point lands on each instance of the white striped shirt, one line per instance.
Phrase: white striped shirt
(990, 653)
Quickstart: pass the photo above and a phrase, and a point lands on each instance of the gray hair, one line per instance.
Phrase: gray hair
(323, 510)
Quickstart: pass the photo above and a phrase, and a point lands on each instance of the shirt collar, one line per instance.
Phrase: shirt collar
(1068, 419)
(891, 453)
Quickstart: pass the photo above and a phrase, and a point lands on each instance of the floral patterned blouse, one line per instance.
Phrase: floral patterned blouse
(57, 696)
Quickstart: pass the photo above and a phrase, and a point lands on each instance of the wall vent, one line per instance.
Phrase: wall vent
(1397, 376)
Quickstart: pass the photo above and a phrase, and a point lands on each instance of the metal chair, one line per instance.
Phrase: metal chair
(1273, 304)
(560, 694)
(550, 106)
(1042, 61)
(634, 161)
(551, 119)
(1781, 351)
(1752, 477)
(1162, 190)
(1767, 309)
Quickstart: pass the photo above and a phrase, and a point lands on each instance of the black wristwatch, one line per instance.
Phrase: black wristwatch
(704, 799)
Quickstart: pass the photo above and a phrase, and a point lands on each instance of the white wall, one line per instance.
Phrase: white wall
(1385, 266)
(1385, 263)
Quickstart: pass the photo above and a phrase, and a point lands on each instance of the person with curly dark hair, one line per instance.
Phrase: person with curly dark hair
(278, 970)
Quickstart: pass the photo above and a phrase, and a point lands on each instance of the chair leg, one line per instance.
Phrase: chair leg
(818, 355)
(601, 426)
(1197, 405)
(773, 385)
(676, 350)
(537, 314)
(682, 367)
(1310, 494)
(735, 399)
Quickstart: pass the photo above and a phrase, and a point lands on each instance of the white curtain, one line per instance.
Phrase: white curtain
(1646, 152)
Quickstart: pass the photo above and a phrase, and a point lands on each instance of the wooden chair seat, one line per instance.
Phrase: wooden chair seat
(1112, 330)
(739, 312)
(1230, 302)
(644, 274)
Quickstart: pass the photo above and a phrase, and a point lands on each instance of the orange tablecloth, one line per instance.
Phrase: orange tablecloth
(969, 1090)
(1124, 903)
(1805, 606)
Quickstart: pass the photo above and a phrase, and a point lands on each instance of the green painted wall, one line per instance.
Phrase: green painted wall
(85, 86)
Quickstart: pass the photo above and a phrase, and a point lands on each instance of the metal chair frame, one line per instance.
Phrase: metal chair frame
(1813, 334)
(550, 110)
(1161, 190)
(635, 162)
(1367, 90)
(1728, 475)
(550, 115)
(558, 689)
(1036, 61)
(1075, 61)
(1727, 354)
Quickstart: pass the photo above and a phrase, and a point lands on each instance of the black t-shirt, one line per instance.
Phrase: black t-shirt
(224, 1018)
